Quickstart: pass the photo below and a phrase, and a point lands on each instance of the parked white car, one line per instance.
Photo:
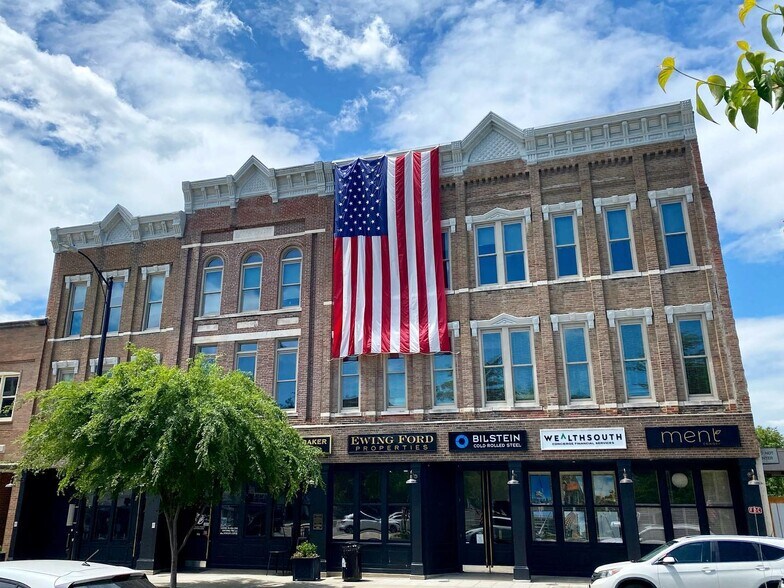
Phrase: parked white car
(704, 561)
(55, 573)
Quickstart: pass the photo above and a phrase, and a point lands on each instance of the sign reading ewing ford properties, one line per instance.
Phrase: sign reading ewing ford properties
(393, 443)
(687, 437)
(573, 439)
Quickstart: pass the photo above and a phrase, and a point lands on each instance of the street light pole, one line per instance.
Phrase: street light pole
(106, 305)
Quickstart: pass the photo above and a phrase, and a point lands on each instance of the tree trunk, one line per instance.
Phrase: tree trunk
(171, 523)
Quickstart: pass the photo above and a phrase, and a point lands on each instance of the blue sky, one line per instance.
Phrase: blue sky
(107, 101)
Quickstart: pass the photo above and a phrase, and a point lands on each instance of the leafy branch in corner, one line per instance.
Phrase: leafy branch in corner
(758, 77)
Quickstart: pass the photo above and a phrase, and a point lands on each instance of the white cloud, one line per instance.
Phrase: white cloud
(348, 120)
(762, 347)
(201, 24)
(374, 49)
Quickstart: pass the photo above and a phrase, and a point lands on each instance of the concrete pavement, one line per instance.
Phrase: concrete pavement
(260, 579)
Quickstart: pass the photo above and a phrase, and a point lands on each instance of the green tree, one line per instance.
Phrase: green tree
(187, 436)
(757, 76)
(771, 437)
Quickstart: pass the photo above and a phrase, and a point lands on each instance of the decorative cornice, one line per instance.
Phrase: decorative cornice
(548, 209)
(65, 364)
(505, 320)
(156, 269)
(705, 308)
(572, 317)
(615, 315)
(106, 361)
(454, 328)
(498, 214)
(78, 280)
(655, 195)
(117, 275)
(630, 199)
(449, 223)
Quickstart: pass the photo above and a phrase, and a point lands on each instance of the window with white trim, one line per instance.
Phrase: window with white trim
(290, 278)
(76, 302)
(500, 253)
(286, 373)
(250, 290)
(634, 356)
(245, 359)
(349, 383)
(508, 367)
(115, 304)
(210, 352)
(212, 286)
(675, 231)
(443, 365)
(620, 243)
(65, 374)
(577, 364)
(695, 355)
(9, 385)
(566, 248)
(154, 300)
(446, 253)
(395, 381)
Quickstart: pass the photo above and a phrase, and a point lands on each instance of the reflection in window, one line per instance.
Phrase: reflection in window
(250, 294)
(76, 309)
(619, 240)
(540, 485)
(447, 259)
(212, 286)
(718, 499)
(9, 385)
(493, 362)
(395, 377)
(349, 383)
(565, 246)
(695, 357)
(245, 359)
(443, 379)
(573, 500)
(229, 517)
(152, 313)
(283, 518)
(605, 500)
(122, 516)
(255, 512)
(676, 239)
(369, 506)
(103, 512)
(343, 505)
(291, 272)
(650, 524)
(683, 504)
(115, 309)
(635, 362)
(398, 506)
(286, 373)
(578, 378)
(210, 352)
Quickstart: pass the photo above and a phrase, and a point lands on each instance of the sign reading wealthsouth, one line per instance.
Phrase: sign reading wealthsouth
(393, 443)
(488, 441)
(688, 437)
(323, 442)
(574, 439)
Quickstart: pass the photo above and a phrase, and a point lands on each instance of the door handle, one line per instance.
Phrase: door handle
(762, 568)
(707, 570)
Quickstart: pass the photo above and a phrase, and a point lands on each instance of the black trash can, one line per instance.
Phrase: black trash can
(352, 563)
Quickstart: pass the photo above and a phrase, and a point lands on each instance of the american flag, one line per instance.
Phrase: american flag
(388, 293)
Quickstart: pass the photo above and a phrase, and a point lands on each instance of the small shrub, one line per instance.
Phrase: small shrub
(306, 549)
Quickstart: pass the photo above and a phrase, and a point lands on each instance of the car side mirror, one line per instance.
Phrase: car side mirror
(668, 560)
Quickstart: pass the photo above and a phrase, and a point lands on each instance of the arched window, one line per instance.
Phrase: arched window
(290, 278)
(250, 290)
(211, 287)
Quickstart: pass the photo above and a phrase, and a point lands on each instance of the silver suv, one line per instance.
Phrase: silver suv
(704, 561)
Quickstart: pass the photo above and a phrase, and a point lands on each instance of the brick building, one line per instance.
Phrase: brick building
(594, 402)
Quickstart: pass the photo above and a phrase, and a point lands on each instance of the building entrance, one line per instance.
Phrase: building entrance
(487, 519)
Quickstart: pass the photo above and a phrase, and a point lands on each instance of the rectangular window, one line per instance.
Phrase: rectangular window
(575, 527)
(395, 379)
(508, 366)
(577, 366)
(522, 365)
(605, 501)
(676, 236)
(635, 360)
(650, 523)
(683, 503)
(493, 364)
(9, 385)
(540, 486)
(619, 240)
(115, 305)
(349, 383)
(443, 379)
(245, 359)
(695, 356)
(718, 499)
(370, 506)
(505, 269)
(76, 309)
(286, 373)
(152, 313)
(65, 374)
(210, 352)
(565, 241)
(447, 257)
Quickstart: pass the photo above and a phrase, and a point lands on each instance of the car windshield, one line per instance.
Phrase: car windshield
(657, 551)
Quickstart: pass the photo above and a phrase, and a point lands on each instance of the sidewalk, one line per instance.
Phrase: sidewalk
(256, 578)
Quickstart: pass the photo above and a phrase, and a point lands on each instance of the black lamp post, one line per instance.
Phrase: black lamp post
(106, 305)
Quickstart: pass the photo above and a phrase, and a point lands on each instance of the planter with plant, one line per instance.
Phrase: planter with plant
(305, 563)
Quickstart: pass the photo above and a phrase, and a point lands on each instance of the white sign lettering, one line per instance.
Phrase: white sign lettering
(574, 439)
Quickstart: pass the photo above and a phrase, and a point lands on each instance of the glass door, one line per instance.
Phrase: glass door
(487, 520)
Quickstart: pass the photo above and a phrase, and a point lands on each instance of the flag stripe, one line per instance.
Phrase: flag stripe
(376, 295)
(337, 297)
(386, 297)
(429, 246)
(419, 253)
(367, 334)
(438, 253)
(347, 286)
(354, 289)
(402, 254)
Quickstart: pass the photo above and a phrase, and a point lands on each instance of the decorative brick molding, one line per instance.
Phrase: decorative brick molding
(548, 209)
(505, 320)
(655, 195)
(78, 279)
(156, 269)
(110, 361)
(630, 199)
(615, 315)
(65, 364)
(705, 308)
(498, 214)
(573, 317)
(448, 223)
(117, 275)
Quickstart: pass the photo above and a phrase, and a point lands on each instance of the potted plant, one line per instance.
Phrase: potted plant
(305, 563)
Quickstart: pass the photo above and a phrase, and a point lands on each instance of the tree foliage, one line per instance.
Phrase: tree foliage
(187, 436)
(758, 77)
(771, 437)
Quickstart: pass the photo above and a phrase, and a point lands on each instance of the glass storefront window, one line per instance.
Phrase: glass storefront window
(103, 512)
(575, 527)
(343, 505)
(540, 485)
(650, 524)
(683, 503)
(255, 512)
(370, 524)
(605, 499)
(398, 506)
(122, 516)
(229, 517)
(718, 500)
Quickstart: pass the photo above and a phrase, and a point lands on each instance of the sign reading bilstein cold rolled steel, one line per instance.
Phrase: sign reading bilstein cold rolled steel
(393, 443)
(487, 441)
(576, 439)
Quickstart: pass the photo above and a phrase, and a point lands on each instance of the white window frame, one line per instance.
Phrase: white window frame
(350, 409)
(64, 366)
(433, 370)
(287, 350)
(630, 229)
(506, 364)
(147, 303)
(283, 262)
(585, 326)
(219, 292)
(646, 348)
(500, 251)
(238, 354)
(245, 265)
(686, 225)
(3, 377)
(575, 227)
(72, 287)
(448, 277)
(387, 407)
(200, 348)
(709, 363)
